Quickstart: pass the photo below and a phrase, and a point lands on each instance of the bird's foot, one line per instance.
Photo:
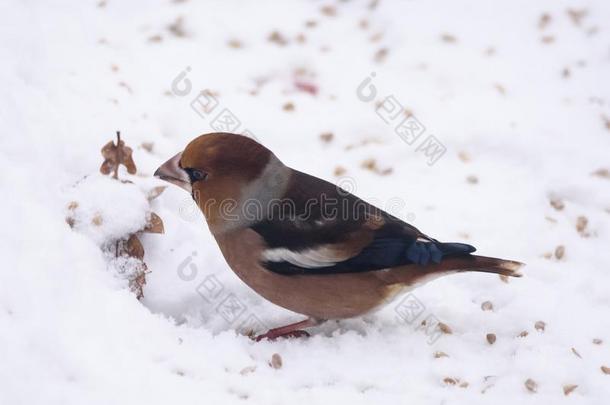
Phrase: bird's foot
(273, 336)
(294, 330)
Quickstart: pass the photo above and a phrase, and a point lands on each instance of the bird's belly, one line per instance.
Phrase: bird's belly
(320, 296)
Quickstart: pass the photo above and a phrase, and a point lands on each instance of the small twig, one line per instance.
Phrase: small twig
(119, 158)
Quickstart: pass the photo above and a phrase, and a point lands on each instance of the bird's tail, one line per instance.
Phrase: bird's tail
(483, 264)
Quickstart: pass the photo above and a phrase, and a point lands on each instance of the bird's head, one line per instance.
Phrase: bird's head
(232, 178)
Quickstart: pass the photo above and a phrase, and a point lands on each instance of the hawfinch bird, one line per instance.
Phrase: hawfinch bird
(303, 243)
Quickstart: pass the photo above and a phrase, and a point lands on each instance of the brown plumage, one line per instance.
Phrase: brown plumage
(305, 244)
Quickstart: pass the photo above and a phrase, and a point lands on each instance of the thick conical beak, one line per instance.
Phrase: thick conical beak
(171, 172)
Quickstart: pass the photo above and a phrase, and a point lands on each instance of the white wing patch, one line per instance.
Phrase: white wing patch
(310, 258)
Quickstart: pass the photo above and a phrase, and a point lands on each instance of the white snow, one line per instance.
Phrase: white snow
(522, 111)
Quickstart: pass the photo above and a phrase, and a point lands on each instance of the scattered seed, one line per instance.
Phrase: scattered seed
(72, 205)
(450, 39)
(605, 370)
(559, 252)
(557, 204)
(464, 156)
(544, 20)
(326, 137)
(276, 361)
(540, 326)
(339, 171)
(576, 15)
(329, 11)
(177, 27)
(147, 146)
(311, 23)
(523, 334)
(155, 38)
(531, 385)
(597, 341)
(491, 338)
(381, 54)
(568, 388)
(603, 173)
(97, 219)
(576, 353)
(288, 106)
(487, 306)
(464, 384)
(581, 224)
(277, 38)
(547, 39)
(472, 179)
(445, 328)
(450, 381)
(247, 370)
(235, 43)
(500, 89)
(438, 355)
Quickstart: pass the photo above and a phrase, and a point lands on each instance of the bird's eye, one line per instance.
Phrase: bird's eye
(196, 174)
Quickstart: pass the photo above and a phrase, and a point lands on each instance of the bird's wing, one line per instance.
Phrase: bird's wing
(319, 228)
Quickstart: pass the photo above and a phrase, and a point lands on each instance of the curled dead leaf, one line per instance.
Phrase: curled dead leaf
(154, 225)
(155, 192)
(116, 155)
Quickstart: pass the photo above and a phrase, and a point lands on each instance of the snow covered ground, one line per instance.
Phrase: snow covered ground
(517, 93)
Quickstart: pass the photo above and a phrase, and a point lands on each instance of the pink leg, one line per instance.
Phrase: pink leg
(292, 330)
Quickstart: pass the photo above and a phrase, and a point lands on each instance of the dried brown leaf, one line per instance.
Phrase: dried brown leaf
(116, 154)
(154, 225)
(155, 192)
(133, 247)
